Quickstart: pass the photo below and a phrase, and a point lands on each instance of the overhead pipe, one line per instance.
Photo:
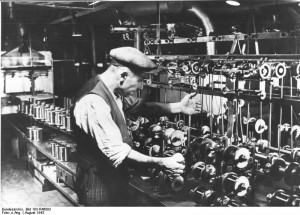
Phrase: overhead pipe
(207, 25)
(150, 8)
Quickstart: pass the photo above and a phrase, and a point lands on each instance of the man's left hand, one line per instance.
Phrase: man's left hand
(189, 105)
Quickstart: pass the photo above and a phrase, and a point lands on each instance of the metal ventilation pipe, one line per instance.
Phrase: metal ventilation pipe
(207, 25)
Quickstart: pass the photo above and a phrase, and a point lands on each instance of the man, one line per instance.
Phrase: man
(103, 142)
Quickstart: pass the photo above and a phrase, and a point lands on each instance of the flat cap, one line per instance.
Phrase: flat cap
(133, 59)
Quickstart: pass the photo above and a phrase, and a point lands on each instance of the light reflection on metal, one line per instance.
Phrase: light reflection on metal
(208, 27)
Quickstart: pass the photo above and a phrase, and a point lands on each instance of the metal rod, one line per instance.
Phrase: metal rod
(292, 123)
(270, 118)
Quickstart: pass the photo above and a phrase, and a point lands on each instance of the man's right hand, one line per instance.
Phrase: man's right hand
(174, 164)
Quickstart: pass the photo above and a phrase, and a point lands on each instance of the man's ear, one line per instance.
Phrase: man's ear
(123, 75)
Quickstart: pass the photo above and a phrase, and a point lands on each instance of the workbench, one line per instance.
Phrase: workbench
(142, 192)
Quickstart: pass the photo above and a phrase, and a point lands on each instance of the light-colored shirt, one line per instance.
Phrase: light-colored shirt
(93, 115)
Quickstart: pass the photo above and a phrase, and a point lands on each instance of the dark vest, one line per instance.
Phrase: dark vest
(88, 152)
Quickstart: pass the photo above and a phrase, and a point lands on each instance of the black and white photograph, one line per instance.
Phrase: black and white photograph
(179, 104)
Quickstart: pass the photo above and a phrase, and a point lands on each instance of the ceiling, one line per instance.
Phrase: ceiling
(53, 12)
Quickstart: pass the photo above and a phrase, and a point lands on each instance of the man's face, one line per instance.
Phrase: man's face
(131, 83)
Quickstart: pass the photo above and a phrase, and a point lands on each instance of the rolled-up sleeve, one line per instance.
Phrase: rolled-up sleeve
(93, 115)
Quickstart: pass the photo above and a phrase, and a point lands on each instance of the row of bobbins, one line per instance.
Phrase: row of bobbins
(48, 113)
(60, 152)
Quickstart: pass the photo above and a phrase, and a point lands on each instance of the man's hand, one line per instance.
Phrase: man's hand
(189, 106)
(174, 164)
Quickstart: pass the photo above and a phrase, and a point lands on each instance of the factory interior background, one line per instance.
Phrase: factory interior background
(241, 57)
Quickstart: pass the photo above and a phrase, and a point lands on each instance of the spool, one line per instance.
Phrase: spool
(53, 149)
(63, 120)
(196, 66)
(202, 196)
(57, 117)
(31, 109)
(42, 111)
(46, 113)
(30, 132)
(69, 126)
(22, 107)
(60, 153)
(67, 153)
(27, 108)
(56, 150)
(265, 71)
(232, 183)
(51, 117)
(279, 70)
(37, 134)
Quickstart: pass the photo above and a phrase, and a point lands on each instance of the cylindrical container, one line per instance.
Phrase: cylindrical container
(42, 111)
(30, 132)
(63, 120)
(60, 153)
(69, 126)
(53, 149)
(51, 117)
(57, 116)
(46, 109)
(36, 110)
(31, 108)
(65, 102)
(22, 107)
(67, 153)
(56, 146)
(37, 134)
(27, 108)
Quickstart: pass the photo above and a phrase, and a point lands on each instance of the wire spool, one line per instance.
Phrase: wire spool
(154, 151)
(53, 149)
(265, 71)
(180, 124)
(30, 132)
(225, 201)
(169, 183)
(156, 132)
(177, 138)
(37, 134)
(47, 108)
(262, 146)
(57, 121)
(167, 134)
(196, 68)
(292, 174)
(197, 169)
(237, 156)
(186, 68)
(203, 171)
(22, 107)
(69, 125)
(172, 67)
(163, 121)
(281, 198)
(278, 70)
(277, 168)
(207, 66)
(202, 196)
(63, 120)
(26, 108)
(176, 182)
(232, 183)
(260, 126)
(37, 110)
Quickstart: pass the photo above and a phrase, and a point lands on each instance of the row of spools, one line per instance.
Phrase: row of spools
(48, 113)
